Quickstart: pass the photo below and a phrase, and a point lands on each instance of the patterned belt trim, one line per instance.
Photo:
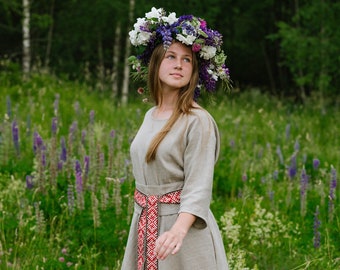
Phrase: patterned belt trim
(148, 226)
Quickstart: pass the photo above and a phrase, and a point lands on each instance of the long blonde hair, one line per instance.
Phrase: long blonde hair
(185, 98)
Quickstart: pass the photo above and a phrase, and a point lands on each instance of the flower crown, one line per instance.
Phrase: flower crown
(157, 27)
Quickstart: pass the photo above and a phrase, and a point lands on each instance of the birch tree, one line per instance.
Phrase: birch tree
(26, 41)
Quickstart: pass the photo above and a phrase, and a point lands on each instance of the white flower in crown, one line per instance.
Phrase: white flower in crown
(186, 39)
(171, 18)
(208, 52)
(155, 14)
(137, 36)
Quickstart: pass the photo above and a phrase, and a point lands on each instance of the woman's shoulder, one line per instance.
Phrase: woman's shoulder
(199, 113)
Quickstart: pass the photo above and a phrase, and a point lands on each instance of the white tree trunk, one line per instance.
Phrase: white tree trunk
(125, 90)
(115, 60)
(26, 42)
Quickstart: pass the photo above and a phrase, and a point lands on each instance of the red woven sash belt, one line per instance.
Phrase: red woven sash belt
(148, 226)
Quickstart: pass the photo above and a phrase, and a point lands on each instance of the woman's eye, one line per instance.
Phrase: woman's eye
(170, 56)
(187, 60)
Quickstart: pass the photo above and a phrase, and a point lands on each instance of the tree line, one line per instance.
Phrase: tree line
(286, 48)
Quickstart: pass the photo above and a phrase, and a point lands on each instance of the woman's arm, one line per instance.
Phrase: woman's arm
(171, 241)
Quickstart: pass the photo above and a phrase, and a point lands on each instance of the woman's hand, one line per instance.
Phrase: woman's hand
(171, 241)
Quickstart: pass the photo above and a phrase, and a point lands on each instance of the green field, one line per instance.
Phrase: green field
(66, 184)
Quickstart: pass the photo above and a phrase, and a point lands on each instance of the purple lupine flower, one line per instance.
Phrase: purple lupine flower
(9, 107)
(54, 125)
(303, 183)
(271, 195)
(296, 145)
(101, 160)
(86, 165)
(287, 131)
(292, 169)
(303, 191)
(43, 159)
(76, 107)
(38, 143)
(79, 178)
(70, 199)
(244, 177)
(79, 183)
(92, 116)
(29, 182)
(279, 153)
(83, 137)
(77, 167)
(63, 153)
(316, 227)
(232, 143)
(15, 136)
(73, 129)
(276, 175)
(316, 163)
(332, 188)
(60, 166)
(112, 133)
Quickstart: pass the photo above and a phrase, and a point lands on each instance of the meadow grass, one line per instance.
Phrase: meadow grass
(66, 184)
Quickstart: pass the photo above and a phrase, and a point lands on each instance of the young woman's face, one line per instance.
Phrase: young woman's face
(176, 67)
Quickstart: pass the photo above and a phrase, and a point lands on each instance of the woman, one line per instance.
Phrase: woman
(174, 152)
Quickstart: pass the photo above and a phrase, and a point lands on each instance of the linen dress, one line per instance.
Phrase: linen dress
(185, 160)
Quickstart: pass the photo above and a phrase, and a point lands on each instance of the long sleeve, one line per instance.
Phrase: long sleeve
(200, 155)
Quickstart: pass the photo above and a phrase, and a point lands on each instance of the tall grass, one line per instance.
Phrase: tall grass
(66, 184)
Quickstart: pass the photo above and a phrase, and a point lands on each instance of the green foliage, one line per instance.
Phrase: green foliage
(310, 43)
(258, 200)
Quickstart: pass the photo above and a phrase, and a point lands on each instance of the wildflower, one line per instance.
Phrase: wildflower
(292, 168)
(297, 145)
(15, 135)
(86, 165)
(29, 182)
(316, 163)
(332, 189)
(54, 125)
(140, 90)
(316, 227)
(92, 116)
(303, 191)
(76, 107)
(63, 153)
(70, 199)
(83, 137)
(244, 177)
(287, 131)
(61, 259)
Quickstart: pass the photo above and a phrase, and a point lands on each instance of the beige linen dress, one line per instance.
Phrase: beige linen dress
(185, 159)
